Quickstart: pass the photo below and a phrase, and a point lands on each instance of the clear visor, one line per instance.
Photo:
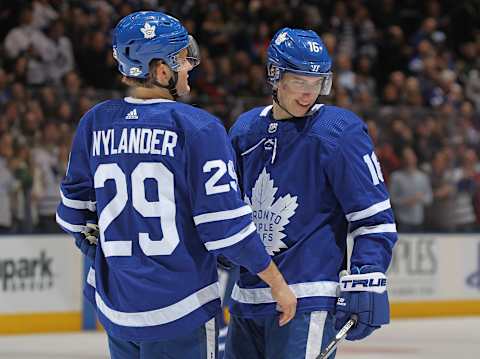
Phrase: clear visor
(193, 52)
(188, 57)
(316, 84)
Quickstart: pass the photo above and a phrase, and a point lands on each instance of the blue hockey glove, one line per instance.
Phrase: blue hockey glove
(363, 293)
(87, 240)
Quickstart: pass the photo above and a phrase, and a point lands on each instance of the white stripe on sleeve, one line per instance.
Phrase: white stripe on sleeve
(368, 212)
(221, 215)
(380, 228)
(77, 204)
(71, 227)
(229, 241)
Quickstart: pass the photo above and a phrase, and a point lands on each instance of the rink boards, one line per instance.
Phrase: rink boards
(41, 280)
(435, 275)
(40, 284)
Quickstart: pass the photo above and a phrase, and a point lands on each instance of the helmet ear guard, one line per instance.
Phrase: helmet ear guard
(273, 74)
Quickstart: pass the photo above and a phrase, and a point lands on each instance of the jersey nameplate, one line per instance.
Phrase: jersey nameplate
(134, 140)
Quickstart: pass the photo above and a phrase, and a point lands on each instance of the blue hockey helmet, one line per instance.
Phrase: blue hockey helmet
(144, 36)
(299, 51)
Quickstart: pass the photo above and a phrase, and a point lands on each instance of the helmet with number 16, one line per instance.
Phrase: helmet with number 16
(301, 52)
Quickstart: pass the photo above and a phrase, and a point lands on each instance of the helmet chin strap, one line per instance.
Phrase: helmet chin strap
(172, 85)
(277, 101)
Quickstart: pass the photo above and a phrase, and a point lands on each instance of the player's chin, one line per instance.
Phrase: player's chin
(184, 91)
(300, 109)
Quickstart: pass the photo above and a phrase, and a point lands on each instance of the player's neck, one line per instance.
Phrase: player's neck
(279, 113)
(146, 93)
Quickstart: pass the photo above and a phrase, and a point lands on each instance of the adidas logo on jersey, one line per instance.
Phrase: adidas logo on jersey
(132, 115)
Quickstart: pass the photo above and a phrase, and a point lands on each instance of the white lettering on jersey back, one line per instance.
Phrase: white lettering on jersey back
(270, 215)
(134, 140)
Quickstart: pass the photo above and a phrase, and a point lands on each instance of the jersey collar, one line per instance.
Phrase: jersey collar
(140, 101)
(268, 108)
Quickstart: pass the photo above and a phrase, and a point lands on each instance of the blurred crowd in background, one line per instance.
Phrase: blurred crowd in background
(410, 69)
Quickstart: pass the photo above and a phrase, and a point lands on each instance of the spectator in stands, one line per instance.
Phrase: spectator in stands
(72, 85)
(64, 113)
(439, 213)
(469, 124)
(364, 81)
(464, 176)
(410, 192)
(30, 127)
(49, 100)
(402, 134)
(20, 69)
(23, 173)
(60, 46)
(472, 84)
(96, 50)
(391, 95)
(48, 171)
(43, 13)
(425, 144)
(344, 74)
(365, 32)
(7, 184)
(413, 93)
(428, 31)
(419, 63)
(28, 41)
(393, 53)
(4, 91)
(384, 150)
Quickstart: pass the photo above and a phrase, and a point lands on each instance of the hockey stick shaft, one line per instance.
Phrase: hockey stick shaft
(342, 333)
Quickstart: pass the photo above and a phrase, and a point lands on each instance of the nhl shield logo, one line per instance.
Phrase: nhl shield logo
(272, 128)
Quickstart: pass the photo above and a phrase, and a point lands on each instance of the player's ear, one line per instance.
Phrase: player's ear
(163, 73)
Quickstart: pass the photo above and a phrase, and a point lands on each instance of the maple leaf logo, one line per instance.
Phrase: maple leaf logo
(271, 216)
(148, 31)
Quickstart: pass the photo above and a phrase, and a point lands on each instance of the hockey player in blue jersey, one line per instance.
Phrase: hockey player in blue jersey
(310, 173)
(159, 177)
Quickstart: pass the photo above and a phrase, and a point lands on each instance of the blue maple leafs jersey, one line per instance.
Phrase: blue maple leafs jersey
(160, 176)
(310, 182)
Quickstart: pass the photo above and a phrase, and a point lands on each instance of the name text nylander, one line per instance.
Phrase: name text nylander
(134, 140)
